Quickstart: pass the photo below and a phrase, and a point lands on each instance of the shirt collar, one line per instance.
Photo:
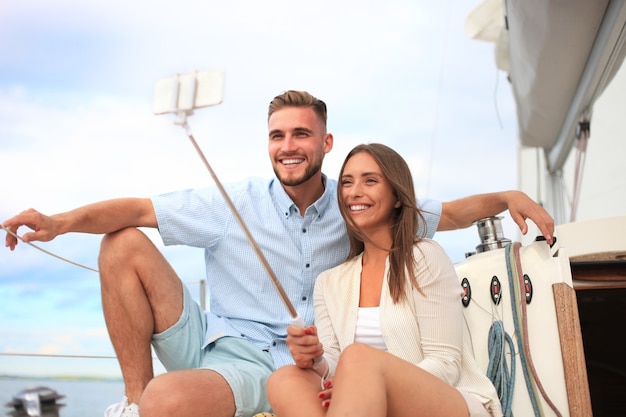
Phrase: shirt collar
(288, 207)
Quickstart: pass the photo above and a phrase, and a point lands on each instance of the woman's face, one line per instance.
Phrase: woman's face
(367, 195)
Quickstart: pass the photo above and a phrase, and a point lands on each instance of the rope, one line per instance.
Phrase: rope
(45, 251)
(518, 309)
(498, 369)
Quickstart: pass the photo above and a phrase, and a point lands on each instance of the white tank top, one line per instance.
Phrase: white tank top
(368, 328)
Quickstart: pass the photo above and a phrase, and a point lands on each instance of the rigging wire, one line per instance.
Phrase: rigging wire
(495, 100)
(437, 106)
(582, 136)
(538, 173)
(60, 356)
(52, 355)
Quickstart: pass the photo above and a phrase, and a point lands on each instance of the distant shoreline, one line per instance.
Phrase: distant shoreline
(60, 378)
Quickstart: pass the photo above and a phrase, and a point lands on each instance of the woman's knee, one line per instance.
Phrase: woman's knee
(281, 377)
(289, 383)
(356, 354)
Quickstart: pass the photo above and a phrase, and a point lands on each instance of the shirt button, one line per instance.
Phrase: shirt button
(303, 230)
(303, 298)
(307, 265)
(274, 343)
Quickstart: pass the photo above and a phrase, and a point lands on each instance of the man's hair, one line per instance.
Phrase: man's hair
(294, 98)
(407, 217)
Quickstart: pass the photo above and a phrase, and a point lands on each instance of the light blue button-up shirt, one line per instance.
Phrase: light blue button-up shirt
(242, 297)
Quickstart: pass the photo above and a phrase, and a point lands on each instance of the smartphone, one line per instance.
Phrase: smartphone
(188, 91)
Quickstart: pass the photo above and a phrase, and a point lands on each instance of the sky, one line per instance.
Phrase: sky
(76, 126)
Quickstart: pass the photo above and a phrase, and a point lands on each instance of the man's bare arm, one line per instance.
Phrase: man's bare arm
(461, 213)
(97, 218)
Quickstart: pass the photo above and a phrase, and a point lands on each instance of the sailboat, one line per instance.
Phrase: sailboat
(547, 321)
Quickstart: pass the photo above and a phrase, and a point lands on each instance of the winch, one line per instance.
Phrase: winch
(491, 234)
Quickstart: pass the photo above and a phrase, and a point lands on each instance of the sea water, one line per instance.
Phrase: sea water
(83, 397)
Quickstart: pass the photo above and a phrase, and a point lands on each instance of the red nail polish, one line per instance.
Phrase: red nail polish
(325, 403)
(327, 384)
(321, 395)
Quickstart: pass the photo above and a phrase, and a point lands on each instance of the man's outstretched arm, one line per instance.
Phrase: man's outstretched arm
(461, 213)
(99, 218)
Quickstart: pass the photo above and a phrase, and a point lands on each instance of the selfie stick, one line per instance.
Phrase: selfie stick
(296, 320)
(182, 94)
(295, 317)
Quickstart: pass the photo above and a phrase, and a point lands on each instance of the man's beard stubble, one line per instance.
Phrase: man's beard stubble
(309, 173)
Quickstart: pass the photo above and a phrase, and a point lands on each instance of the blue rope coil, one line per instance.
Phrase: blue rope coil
(498, 369)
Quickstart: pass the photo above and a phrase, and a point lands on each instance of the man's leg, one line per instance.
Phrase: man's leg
(141, 295)
(191, 392)
(231, 379)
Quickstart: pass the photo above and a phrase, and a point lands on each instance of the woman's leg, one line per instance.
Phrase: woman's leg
(371, 382)
(292, 391)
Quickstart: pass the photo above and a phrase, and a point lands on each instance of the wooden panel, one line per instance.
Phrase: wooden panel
(574, 365)
(599, 257)
(599, 271)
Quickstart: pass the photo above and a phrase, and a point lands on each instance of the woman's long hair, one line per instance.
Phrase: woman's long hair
(407, 218)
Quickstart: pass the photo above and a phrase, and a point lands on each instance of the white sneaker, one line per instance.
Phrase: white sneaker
(122, 409)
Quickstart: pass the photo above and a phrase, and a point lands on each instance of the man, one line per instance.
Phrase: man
(218, 361)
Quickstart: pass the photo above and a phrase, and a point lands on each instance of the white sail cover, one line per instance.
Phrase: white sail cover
(560, 55)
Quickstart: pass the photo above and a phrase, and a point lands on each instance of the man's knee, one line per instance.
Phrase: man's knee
(122, 240)
(159, 396)
(121, 248)
(198, 392)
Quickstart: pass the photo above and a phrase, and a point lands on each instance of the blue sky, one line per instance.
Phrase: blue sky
(76, 125)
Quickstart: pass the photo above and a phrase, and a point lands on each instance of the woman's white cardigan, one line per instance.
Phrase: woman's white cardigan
(426, 330)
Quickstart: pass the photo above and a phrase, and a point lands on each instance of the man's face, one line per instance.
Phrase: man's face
(297, 144)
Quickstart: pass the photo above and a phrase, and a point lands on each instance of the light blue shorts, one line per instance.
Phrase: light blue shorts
(243, 365)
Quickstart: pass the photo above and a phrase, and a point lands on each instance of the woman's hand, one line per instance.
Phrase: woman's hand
(326, 394)
(304, 345)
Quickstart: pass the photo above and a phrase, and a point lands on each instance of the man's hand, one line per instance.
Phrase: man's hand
(522, 207)
(462, 213)
(44, 228)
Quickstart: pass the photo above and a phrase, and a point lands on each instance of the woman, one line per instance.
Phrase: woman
(388, 321)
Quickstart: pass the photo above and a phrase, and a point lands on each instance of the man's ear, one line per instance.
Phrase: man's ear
(328, 142)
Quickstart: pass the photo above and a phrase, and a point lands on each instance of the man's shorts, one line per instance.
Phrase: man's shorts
(243, 365)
